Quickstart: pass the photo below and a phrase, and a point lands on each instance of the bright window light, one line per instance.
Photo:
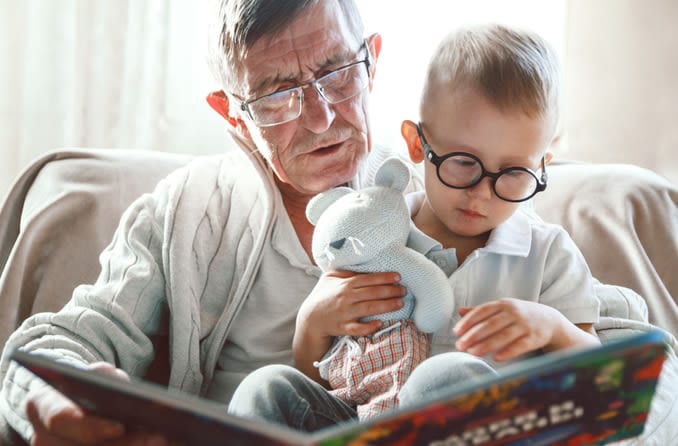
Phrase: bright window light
(412, 30)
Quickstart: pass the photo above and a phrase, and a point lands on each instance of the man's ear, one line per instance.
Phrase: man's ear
(220, 103)
(409, 131)
(374, 47)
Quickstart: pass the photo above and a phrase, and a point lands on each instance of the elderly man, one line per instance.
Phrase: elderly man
(211, 269)
(218, 259)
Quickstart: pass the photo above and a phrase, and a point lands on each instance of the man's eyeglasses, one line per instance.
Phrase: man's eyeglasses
(336, 86)
(461, 170)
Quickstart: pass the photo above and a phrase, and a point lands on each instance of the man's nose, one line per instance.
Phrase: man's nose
(316, 114)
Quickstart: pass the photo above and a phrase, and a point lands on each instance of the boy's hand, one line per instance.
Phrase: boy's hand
(57, 420)
(508, 328)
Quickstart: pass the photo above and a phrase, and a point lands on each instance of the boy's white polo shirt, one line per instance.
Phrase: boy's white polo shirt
(524, 258)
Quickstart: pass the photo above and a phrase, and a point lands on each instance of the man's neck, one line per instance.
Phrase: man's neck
(295, 205)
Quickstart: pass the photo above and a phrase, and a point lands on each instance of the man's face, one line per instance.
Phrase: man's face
(325, 146)
(464, 120)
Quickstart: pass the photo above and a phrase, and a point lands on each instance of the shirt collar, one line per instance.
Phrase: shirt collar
(512, 237)
(284, 239)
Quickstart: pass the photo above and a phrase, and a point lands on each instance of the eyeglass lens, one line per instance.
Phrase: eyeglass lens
(335, 87)
(462, 171)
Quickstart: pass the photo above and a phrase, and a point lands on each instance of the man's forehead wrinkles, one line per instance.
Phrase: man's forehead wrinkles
(302, 69)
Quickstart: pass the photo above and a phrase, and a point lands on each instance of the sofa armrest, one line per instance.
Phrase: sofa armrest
(625, 220)
(59, 215)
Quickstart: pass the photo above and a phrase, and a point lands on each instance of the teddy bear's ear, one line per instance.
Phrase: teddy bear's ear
(322, 201)
(393, 173)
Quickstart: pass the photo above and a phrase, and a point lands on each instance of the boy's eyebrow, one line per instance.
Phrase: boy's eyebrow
(510, 161)
(522, 162)
(503, 163)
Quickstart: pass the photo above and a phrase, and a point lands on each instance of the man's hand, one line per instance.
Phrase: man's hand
(508, 328)
(341, 298)
(334, 308)
(58, 421)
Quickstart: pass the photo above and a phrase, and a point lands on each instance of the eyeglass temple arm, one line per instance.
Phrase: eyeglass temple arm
(432, 157)
(544, 175)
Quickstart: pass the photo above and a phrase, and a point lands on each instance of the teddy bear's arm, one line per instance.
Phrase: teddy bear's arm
(430, 288)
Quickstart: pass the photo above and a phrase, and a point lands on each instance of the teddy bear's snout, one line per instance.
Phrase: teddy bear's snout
(337, 244)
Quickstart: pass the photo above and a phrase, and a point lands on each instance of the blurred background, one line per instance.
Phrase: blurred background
(132, 74)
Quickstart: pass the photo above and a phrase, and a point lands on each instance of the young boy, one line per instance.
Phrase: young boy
(488, 114)
(489, 111)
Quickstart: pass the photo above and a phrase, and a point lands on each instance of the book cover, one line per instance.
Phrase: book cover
(594, 396)
(591, 396)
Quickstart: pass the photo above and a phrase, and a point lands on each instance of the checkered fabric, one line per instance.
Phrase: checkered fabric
(370, 377)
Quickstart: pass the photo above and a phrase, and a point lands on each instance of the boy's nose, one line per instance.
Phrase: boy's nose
(482, 190)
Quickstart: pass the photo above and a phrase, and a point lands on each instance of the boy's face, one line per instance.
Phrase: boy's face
(463, 120)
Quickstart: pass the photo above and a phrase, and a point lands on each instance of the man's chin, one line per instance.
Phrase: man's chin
(337, 173)
(325, 184)
(320, 172)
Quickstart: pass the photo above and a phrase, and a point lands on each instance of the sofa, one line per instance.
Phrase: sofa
(63, 208)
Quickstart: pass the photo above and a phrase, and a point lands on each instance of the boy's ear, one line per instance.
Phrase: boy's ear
(220, 103)
(409, 131)
(548, 156)
(374, 47)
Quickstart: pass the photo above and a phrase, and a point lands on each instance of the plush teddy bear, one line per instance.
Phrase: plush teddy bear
(367, 231)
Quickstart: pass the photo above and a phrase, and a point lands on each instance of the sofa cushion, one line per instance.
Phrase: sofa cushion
(625, 221)
(57, 218)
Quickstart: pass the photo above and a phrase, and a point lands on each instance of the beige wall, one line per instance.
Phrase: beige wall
(621, 83)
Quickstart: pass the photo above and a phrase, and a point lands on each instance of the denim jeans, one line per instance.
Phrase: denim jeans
(440, 373)
(282, 394)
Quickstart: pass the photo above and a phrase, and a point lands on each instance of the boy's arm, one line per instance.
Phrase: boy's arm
(511, 327)
(573, 335)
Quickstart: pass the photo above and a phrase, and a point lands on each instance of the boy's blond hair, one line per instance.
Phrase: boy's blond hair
(513, 69)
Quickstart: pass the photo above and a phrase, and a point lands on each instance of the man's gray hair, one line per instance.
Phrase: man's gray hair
(513, 69)
(238, 24)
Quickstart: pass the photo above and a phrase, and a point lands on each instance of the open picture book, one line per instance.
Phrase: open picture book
(592, 396)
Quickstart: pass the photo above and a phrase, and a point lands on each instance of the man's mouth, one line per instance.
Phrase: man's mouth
(325, 150)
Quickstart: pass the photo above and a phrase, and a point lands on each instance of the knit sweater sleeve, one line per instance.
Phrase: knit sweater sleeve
(110, 320)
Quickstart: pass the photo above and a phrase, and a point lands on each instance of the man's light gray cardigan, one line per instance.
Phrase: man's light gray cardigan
(181, 264)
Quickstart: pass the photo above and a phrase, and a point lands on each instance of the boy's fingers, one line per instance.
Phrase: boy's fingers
(474, 316)
(464, 310)
(496, 341)
(485, 333)
(517, 347)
